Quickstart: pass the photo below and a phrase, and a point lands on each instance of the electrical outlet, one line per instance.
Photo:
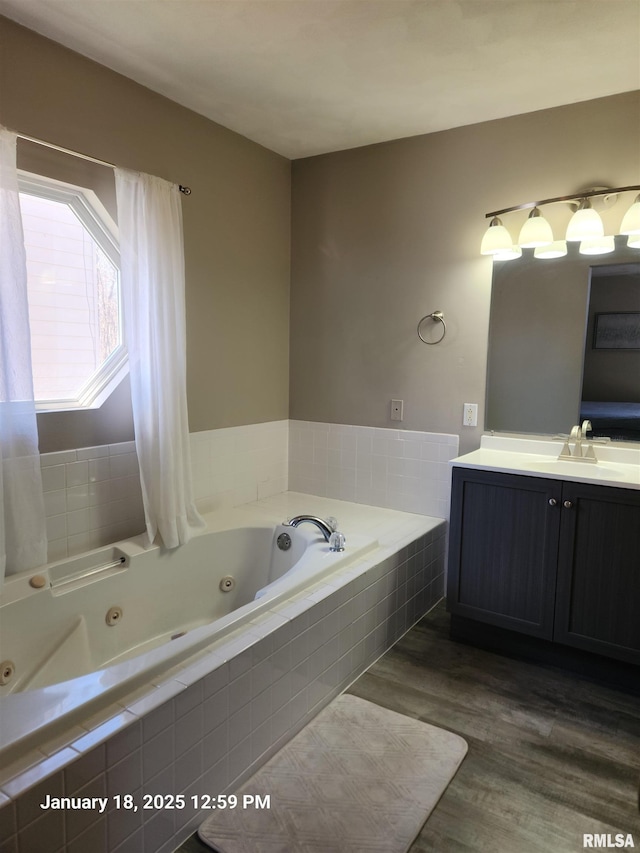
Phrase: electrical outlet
(470, 414)
(397, 407)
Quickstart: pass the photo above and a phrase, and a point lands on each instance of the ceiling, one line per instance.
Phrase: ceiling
(305, 77)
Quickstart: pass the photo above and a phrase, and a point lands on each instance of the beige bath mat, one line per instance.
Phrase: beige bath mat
(357, 779)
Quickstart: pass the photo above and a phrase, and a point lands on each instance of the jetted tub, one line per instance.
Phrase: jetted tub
(115, 603)
(107, 619)
(133, 667)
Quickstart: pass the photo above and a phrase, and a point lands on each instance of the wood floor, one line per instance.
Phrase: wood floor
(551, 756)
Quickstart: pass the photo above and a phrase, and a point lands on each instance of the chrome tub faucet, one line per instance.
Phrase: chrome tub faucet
(328, 528)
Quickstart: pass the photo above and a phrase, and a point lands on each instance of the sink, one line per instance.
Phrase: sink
(588, 470)
(616, 466)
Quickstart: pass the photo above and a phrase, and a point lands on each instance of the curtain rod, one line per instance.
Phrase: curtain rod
(183, 189)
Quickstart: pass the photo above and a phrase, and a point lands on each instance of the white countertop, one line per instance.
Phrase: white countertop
(537, 456)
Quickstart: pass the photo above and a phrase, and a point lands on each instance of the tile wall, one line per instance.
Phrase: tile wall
(398, 469)
(93, 498)
(238, 465)
(206, 728)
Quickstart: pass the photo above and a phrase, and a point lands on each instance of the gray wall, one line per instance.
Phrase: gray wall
(385, 234)
(236, 229)
(380, 236)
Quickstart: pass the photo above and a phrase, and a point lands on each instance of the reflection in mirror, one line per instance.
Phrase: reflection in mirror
(538, 340)
(611, 376)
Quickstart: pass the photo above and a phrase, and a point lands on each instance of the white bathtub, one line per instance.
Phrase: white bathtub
(242, 678)
(168, 606)
(120, 602)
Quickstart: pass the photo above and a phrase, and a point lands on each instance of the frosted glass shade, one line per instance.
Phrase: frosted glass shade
(557, 249)
(634, 241)
(585, 224)
(496, 238)
(631, 220)
(536, 231)
(597, 246)
(509, 254)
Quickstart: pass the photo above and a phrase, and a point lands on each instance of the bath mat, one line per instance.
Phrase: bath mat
(357, 778)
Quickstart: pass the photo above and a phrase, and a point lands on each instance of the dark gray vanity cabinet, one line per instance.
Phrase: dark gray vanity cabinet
(598, 588)
(503, 550)
(554, 559)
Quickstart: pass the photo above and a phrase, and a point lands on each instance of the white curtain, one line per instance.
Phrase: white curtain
(23, 539)
(152, 272)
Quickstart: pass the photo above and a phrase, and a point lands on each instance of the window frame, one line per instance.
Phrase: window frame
(94, 216)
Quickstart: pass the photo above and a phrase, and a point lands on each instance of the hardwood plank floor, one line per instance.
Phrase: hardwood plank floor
(551, 755)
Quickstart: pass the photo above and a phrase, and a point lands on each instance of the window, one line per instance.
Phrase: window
(73, 276)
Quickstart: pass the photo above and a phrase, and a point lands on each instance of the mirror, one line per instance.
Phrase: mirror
(543, 346)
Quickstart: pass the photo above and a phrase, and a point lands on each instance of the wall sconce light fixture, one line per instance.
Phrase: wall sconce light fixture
(585, 227)
(631, 222)
(585, 224)
(536, 231)
(496, 238)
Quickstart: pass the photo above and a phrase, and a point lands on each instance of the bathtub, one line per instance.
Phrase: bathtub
(125, 612)
(121, 602)
(123, 633)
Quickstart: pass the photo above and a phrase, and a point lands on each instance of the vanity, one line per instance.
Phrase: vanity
(544, 554)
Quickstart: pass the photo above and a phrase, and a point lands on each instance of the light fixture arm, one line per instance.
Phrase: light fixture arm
(568, 198)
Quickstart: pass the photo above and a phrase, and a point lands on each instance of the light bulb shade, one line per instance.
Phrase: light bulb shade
(597, 246)
(496, 238)
(631, 220)
(585, 224)
(509, 254)
(634, 241)
(557, 249)
(536, 231)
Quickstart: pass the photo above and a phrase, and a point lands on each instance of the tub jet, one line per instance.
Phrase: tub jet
(114, 615)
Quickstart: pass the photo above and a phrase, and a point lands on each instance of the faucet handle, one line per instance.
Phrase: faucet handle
(337, 541)
(332, 522)
(585, 428)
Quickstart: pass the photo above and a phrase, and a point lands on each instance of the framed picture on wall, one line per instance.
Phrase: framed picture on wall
(617, 331)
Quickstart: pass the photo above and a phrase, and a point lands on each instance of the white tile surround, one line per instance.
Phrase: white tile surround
(398, 469)
(93, 498)
(237, 465)
(207, 725)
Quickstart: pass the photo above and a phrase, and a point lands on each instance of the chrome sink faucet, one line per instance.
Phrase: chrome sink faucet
(582, 450)
(328, 528)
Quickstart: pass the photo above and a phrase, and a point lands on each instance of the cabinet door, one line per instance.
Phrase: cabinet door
(598, 596)
(503, 549)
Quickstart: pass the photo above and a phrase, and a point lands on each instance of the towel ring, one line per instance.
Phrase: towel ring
(436, 316)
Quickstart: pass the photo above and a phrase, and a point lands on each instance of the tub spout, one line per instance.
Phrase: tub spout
(326, 527)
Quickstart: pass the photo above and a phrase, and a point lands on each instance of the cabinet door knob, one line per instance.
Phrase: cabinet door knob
(553, 502)
(567, 504)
